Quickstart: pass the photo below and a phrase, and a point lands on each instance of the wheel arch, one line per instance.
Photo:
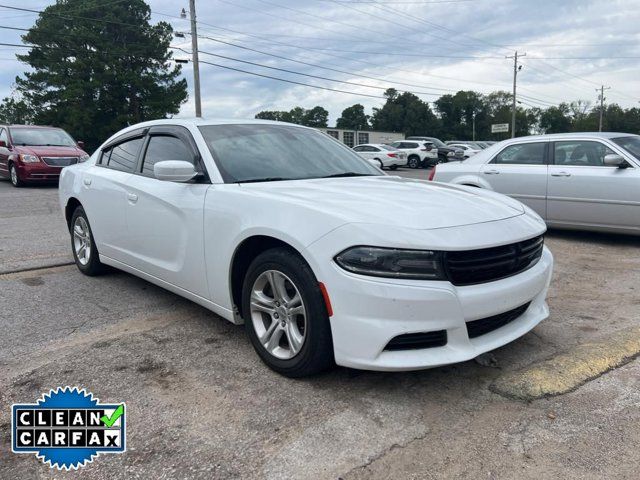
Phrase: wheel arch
(72, 204)
(243, 255)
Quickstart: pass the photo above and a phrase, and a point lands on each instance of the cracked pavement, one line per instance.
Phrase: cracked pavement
(200, 404)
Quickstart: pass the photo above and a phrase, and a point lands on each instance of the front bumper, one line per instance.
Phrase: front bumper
(34, 172)
(369, 312)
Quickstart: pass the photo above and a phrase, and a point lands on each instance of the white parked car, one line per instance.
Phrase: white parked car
(419, 153)
(574, 180)
(382, 156)
(469, 150)
(322, 256)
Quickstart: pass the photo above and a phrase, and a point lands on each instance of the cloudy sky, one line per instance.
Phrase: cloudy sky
(429, 47)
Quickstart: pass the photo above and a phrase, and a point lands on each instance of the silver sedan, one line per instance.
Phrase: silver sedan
(587, 181)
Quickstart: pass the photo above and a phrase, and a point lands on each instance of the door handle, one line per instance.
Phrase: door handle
(132, 197)
(561, 174)
(491, 172)
(87, 181)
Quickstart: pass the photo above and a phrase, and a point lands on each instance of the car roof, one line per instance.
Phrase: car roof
(44, 127)
(556, 136)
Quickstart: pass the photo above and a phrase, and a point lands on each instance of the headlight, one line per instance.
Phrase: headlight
(83, 158)
(393, 263)
(29, 159)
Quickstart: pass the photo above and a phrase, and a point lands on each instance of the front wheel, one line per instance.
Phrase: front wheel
(13, 175)
(83, 245)
(285, 315)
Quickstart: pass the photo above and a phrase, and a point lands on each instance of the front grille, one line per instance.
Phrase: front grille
(60, 161)
(414, 341)
(489, 264)
(489, 324)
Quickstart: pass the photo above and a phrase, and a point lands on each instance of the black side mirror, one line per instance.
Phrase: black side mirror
(3, 144)
(80, 144)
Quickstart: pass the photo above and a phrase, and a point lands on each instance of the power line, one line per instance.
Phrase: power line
(319, 77)
(290, 81)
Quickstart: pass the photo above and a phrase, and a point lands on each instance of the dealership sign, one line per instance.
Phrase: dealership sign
(500, 128)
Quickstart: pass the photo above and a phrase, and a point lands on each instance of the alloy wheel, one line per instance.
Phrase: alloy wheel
(278, 314)
(14, 175)
(82, 240)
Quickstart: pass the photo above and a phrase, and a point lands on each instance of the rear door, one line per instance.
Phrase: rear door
(583, 191)
(104, 197)
(165, 219)
(520, 171)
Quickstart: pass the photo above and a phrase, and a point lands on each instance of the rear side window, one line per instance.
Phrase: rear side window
(163, 148)
(123, 156)
(521, 154)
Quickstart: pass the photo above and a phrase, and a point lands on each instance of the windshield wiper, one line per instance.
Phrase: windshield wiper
(350, 174)
(266, 179)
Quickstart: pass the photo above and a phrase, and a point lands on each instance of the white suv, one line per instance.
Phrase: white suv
(420, 154)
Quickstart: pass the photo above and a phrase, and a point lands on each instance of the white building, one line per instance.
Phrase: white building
(352, 138)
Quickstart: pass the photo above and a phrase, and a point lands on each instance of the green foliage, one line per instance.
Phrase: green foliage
(315, 117)
(15, 110)
(96, 75)
(405, 113)
(353, 118)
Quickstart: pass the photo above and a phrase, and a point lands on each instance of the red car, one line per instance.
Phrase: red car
(36, 154)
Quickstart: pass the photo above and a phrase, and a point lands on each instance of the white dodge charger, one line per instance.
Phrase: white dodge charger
(324, 258)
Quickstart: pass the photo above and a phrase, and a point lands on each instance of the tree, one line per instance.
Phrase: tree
(556, 119)
(405, 113)
(353, 118)
(275, 115)
(316, 117)
(15, 110)
(95, 75)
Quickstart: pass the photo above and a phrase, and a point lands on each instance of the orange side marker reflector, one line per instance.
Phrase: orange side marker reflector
(327, 301)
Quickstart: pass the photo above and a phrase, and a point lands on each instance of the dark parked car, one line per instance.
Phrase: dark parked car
(443, 149)
(36, 154)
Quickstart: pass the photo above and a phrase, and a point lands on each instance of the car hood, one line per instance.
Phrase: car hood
(392, 201)
(50, 151)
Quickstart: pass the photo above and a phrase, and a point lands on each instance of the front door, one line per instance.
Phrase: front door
(583, 191)
(165, 219)
(520, 171)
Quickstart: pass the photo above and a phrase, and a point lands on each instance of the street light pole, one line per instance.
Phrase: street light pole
(196, 61)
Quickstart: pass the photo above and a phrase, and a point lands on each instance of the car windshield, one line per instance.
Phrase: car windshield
(437, 143)
(263, 152)
(630, 144)
(41, 137)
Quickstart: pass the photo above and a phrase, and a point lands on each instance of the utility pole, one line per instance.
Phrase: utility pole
(516, 69)
(601, 98)
(196, 61)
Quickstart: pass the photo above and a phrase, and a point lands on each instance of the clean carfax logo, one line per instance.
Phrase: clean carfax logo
(68, 428)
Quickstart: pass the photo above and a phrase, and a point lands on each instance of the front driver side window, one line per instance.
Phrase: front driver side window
(521, 154)
(163, 148)
(3, 136)
(581, 153)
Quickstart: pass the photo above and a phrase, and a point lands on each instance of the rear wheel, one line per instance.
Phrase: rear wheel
(414, 162)
(83, 245)
(285, 315)
(393, 167)
(13, 175)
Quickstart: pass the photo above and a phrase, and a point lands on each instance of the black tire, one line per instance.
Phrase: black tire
(13, 176)
(443, 158)
(93, 266)
(393, 167)
(414, 162)
(316, 353)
